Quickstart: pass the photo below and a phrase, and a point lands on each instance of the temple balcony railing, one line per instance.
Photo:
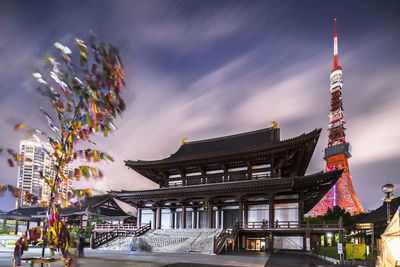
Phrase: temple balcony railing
(218, 178)
(106, 227)
(289, 225)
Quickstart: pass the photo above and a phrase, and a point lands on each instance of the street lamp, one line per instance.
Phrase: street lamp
(388, 189)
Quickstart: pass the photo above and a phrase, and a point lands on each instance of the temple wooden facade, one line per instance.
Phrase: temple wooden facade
(252, 185)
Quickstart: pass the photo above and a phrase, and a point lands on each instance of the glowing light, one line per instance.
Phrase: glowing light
(393, 246)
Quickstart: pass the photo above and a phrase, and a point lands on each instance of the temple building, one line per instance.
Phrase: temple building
(250, 185)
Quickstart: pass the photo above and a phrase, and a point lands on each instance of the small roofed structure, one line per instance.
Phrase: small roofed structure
(104, 207)
(23, 214)
(369, 228)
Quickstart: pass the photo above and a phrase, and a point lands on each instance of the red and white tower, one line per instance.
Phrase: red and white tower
(338, 151)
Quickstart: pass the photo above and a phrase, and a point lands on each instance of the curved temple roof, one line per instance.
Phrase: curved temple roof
(267, 138)
(227, 143)
(264, 143)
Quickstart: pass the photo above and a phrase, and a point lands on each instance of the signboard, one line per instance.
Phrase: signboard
(356, 251)
(340, 248)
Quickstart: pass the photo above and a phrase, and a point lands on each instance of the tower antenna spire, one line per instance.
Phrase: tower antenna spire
(335, 48)
(338, 152)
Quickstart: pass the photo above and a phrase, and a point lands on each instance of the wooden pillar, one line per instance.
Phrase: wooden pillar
(372, 237)
(271, 221)
(154, 225)
(225, 173)
(16, 227)
(246, 214)
(183, 176)
(159, 218)
(183, 217)
(194, 218)
(249, 171)
(210, 215)
(27, 225)
(240, 215)
(219, 217)
(270, 242)
(307, 238)
(271, 211)
(301, 211)
(139, 217)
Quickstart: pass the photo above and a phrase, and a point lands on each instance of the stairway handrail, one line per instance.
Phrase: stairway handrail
(105, 237)
(224, 235)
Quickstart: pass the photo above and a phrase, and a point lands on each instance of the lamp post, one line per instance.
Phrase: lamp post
(388, 189)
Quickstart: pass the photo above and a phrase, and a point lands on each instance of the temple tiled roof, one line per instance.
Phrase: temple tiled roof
(90, 204)
(227, 143)
(264, 140)
(83, 205)
(380, 213)
(23, 213)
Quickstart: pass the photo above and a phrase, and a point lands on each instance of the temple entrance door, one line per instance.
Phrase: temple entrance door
(255, 244)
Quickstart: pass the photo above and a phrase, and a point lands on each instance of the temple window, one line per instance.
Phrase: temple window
(286, 212)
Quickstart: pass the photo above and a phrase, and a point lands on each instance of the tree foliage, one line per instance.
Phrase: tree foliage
(85, 232)
(333, 215)
(84, 98)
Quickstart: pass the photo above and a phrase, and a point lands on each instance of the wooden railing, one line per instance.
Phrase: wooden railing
(108, 227)
(223, 236)
(284, 225)
(105, 233)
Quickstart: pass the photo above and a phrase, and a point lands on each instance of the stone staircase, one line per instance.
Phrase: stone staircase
(169, 241)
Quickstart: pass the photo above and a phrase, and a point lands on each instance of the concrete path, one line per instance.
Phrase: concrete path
(296, 260)
(100, 258)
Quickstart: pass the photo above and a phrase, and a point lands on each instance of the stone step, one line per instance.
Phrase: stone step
(169, 240)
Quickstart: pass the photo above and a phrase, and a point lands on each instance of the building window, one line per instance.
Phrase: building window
(287, 212)
(258, 213)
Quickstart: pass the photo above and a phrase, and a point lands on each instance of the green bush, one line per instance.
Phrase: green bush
(86, 232)
(12, 243)
(331, 252)
(6, 229)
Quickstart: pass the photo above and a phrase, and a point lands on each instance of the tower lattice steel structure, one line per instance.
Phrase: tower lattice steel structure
(338, 151)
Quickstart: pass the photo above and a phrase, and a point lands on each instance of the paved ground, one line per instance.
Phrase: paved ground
(100, 258)
(296, 260)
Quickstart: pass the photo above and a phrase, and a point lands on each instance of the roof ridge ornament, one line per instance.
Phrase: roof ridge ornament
(274, 124)
(185, 140)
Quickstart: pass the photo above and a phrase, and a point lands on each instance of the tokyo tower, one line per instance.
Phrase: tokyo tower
(338, 151)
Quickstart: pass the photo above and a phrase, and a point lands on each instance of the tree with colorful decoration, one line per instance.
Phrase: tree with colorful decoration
(84, 95)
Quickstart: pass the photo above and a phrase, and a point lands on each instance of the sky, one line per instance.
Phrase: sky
(202, 69)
